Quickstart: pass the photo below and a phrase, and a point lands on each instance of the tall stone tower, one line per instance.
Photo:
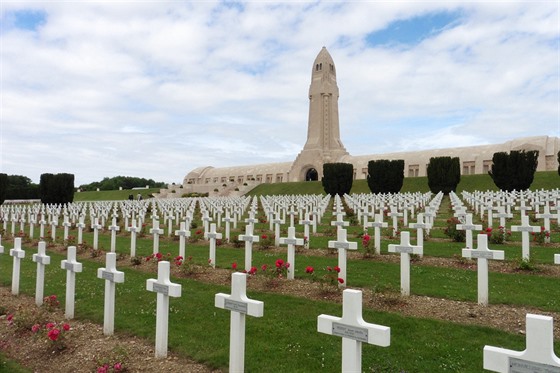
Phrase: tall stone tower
(323, 143)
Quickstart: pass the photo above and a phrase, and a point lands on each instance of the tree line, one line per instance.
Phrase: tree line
(510, 171)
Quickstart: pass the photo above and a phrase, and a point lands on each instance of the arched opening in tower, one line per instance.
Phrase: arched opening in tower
(311, 175)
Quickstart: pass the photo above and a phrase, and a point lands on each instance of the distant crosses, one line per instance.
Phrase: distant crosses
(291, 241)
(111, 276)
(377, 225)
(525, 229)
(339, 222)
(405, 249)
(482, 254)
(42, 259)
(239, 305)
(420, 226)
(277, 222)
(183, 233)
(114, 228)
(164, 289)
(353, 330)
(306, 223)
(212, 235)
(227, 221)
(341, 244)
(72, 267)
(156, 231)
(133, 229)
(81, 225)
(546, 215)
(96, 227)
(468, 227)
(538, 355)
(18, 254)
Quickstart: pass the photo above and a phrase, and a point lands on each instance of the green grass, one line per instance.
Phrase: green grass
(543, 180)
(113, 195)
(10, 366)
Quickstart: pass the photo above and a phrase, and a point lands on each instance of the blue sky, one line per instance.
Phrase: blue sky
(156, 89)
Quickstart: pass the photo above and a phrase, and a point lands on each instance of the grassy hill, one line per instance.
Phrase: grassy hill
(113, 195)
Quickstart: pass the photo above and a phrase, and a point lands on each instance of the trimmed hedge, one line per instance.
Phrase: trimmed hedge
(56, 188)
(385, 176)
(514, 171)
(337, 178)
(444, 174)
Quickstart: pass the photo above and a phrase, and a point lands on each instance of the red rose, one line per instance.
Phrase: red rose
(264, 267)
(53, 334)
(279, 263)
(337, 269)
(309, 270)
(66, 327)
(234, 265)
(340, 280)
(264, 237)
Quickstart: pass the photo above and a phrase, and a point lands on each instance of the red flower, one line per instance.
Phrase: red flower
(198, 232)
(10, 317)
(309, 270)
(53, 334)
(178, 258)
(159, 256)
(35, 328)
(117, 367)
(253, 270)
(340, 280)
(337, 269)
(279, 263)
(234, 265)
(264, 236)
(489, 229)
(329, 268)
(66, 327)
(49, 325)
(264, 267)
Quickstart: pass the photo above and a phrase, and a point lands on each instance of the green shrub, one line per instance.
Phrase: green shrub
(385, 176)
(337, 178)
(444, 174)
(514, 171)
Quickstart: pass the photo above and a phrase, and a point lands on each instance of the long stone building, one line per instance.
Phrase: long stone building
(323, 145)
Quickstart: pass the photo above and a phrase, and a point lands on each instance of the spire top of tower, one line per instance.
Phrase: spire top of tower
(324, 63)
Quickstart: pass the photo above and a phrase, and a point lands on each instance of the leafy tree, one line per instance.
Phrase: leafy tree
(126, 182)
(337, 178)
(444, 174)
(57, 188)
(21, 187)
(3, 187)
(385, 176)
(514, 171)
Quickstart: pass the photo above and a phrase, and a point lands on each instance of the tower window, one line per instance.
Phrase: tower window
(321, 66)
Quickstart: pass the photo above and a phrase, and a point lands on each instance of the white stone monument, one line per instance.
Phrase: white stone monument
(18, 254)
(291, 241)
(111, 277)
(405, 249)
(72, 267)
(342, 245)
(42, 259)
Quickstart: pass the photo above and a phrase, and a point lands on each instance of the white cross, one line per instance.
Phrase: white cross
(339, 222)
(377, 225)
(292, 213)
(468, 227)
(538, 355)
(17, 253)
(251, 220)
(156, 231)
(114, 228)
(133, 229)
(213, 236)
(502, 214)
(249, 239)
(420, 226)
(72, 267)
(227, 221)
(111, 276)
(277, 222)
(206, 219)
(483, 253)
(54, 223)
(306, 223)
(546, 215)
(342, 245)
(395, 215)
(42, 259)
(353, 330)
(81, 225)
(405, 249)
(96, 226)
(66, 226)
(316, 218)
(525, 228)
(291, 241)
(1, 247)
(164, 289)
(183, 233)
(239, 305)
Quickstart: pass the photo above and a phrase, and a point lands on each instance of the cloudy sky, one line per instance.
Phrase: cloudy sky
(156, 88)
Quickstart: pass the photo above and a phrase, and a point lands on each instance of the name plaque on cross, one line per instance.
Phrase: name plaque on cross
(290, 241)
(404, 249)
(475, 254)
(108, 276)
(350, 332)
(160, 288)
(236, 306)
(42, 259)
(524, 366)
(68, 266)
(529, 229)
(341, 245)
(248, 238)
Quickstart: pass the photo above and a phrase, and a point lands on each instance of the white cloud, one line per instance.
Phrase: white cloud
(156, 89)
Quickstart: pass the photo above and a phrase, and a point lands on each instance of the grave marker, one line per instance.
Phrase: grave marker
(405, 249)
(42, 259)
(525, 228)
(72, 267)
(213, 236)
(183, 233)
(341, 244)
(291, 241)
(18, 254)
(249, 238)
(111, 276)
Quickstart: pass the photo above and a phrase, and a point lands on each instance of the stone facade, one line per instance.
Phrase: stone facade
(323, 145)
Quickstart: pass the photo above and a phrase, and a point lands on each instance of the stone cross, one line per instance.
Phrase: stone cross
(81, 225)
(206, 219)
(353, 330)
(522, 208)
(42, 224)
(546, 215)
(183, 233)
(251, 220)
(213, 236)
(405, 249)
(42, 259)
(156, 231)
(482, 253)
(164, 289)
(249, 239)
(277, 222)
(292, 213)
(377, 225)
(133, 229)
(525, 228)
(227, 221)
(239, 305)
(114, 228)
(339, 223)
(72, 267)
(66, 224)
(291, 241)
(306, 223)
(342, 245)
(502, 215)
(538, 355)
(420, 226)
(468, 227)
(96, 227)
(18, 254)
(395, 215)
(111, 276)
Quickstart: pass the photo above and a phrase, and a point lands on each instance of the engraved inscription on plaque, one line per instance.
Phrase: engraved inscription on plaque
(160, 288)
(403, 249)
(247, 238)
(350, 332)
(341, 245)
(525, 229)
(290, 241)
(69, 266)
(234, 305)
(523, 366)
(108, 276)
(41, 259)
(482, 254)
